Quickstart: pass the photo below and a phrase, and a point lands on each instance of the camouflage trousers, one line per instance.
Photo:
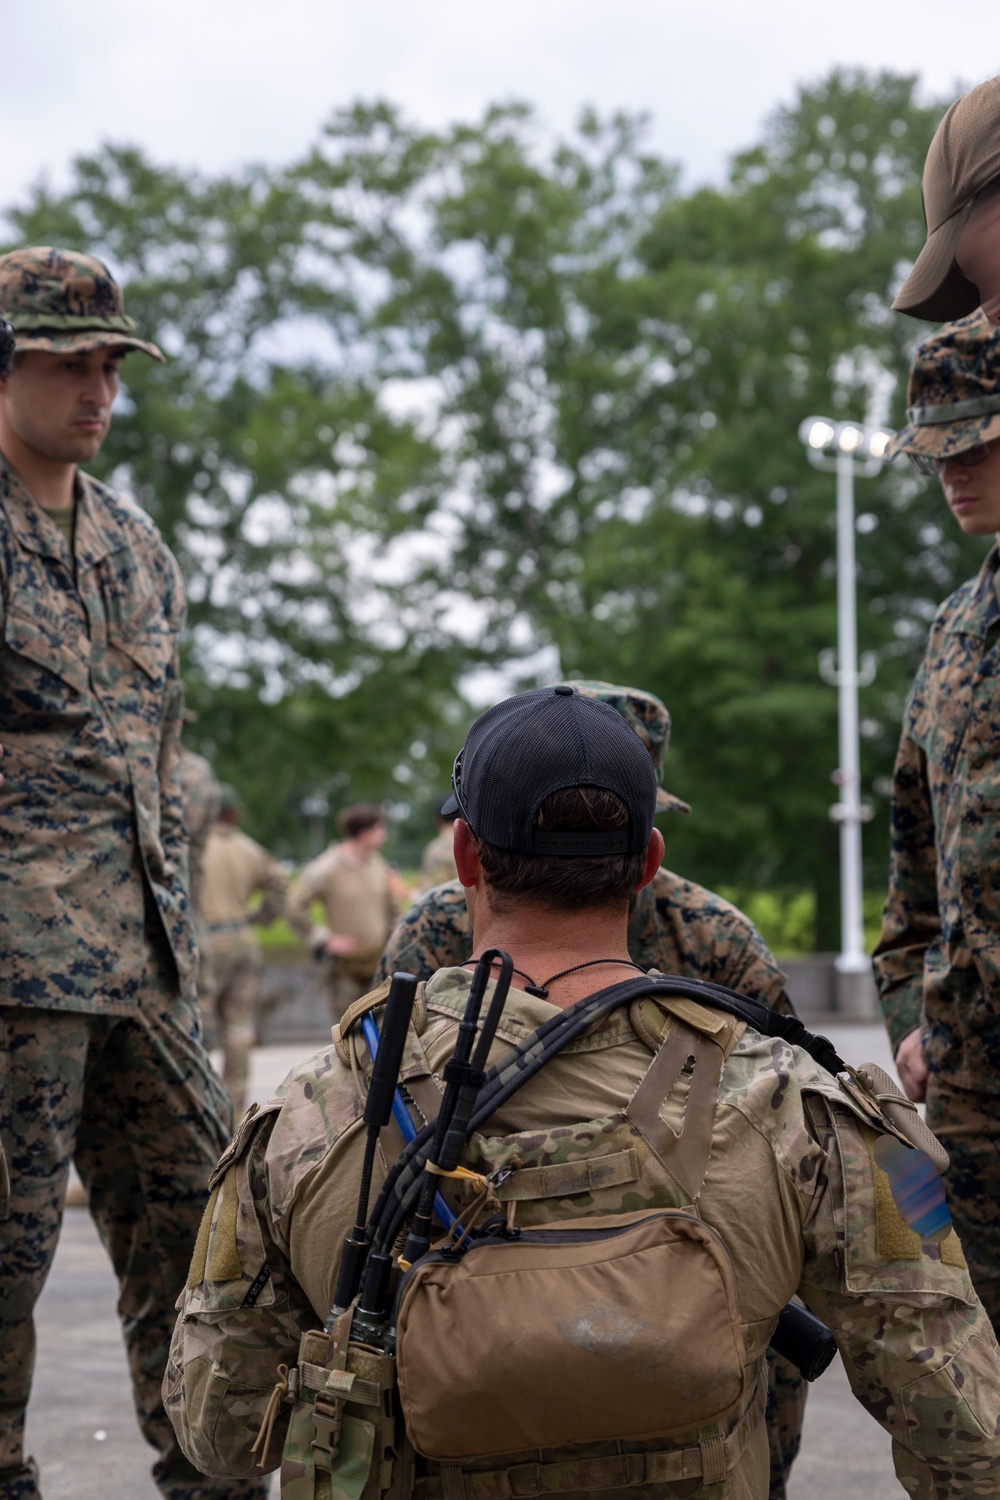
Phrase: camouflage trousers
(231, 1007)
(132, 1100)
(783, 1417)
(967, 1123)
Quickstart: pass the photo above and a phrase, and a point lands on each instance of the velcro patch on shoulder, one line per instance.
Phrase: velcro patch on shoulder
(651, 1016)
(895, 1240)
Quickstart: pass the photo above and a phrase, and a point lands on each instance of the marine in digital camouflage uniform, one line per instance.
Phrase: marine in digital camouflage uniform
(675, 926)
(786, 1177)
(938, 958)
(437, 861)
(101, 1061)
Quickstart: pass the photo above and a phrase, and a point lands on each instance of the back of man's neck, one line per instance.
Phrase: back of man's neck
(50, 484)
(543, 943)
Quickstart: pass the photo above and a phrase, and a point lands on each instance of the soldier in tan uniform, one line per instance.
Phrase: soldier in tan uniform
(237, 871)
(101, 1060)
(357, 891)
(437, 862)
(938, 958)
(671, 1109)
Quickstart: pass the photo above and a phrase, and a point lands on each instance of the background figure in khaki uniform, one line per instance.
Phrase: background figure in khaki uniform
(101, 1060)
(237, 870)
(776, 1160)
(674, 926)
(938, 959)
(354, 885)
(199, 790)
(437, 862)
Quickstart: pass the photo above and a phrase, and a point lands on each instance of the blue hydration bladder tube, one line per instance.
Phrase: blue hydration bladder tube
(401, 1115)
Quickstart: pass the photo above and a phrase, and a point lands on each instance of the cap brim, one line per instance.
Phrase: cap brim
(667, 802)
(92, 338)
(936, 289)
(451, 808)
(942, 439)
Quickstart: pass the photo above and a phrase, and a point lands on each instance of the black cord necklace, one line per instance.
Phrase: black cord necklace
(542, 990)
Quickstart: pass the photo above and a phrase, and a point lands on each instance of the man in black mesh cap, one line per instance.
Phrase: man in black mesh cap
(669, 1103)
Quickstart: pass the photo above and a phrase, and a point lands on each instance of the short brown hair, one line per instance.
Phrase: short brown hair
(354, 820)
(566, 884)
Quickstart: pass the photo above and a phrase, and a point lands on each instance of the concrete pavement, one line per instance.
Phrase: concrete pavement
(82, 1431)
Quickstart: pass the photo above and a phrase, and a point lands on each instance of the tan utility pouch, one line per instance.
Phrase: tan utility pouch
(581, 1331)
(341, 1441)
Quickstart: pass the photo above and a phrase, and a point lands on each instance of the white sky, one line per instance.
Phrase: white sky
(216, 82)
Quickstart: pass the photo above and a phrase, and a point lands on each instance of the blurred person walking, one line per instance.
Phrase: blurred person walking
(101, 1060)
(237, 870)
(938, 957)
(358, 894)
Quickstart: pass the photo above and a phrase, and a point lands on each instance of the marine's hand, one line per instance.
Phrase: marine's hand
(911, 1065)
(341, 945)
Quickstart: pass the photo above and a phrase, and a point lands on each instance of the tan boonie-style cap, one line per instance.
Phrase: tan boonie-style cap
(58, 301)
(650, 719)
(963, 158)
(953, 396)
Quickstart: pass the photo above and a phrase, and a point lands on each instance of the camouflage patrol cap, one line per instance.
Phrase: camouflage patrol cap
(59, 301)
(953, 397)
(650, 719)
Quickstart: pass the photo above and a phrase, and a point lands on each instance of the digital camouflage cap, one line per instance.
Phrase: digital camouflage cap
(59, 301)
(953, 397)
(650, 719)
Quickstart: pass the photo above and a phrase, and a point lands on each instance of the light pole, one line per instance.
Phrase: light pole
(847, 449)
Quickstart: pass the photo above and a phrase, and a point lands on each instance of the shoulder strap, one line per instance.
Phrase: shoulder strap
(514, 1070)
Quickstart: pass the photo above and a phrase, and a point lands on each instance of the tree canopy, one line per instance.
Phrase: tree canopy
(456, 409)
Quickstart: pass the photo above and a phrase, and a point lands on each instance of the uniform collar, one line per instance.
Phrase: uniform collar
(980, 609)
(97, 533)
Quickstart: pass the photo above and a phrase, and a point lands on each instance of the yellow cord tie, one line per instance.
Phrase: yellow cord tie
(271, 1416)
(462, 1174)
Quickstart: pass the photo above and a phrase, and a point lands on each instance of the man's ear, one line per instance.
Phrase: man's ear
(466, 858)
(654, 858)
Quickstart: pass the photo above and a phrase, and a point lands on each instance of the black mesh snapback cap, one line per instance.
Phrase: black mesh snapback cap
(536, 743)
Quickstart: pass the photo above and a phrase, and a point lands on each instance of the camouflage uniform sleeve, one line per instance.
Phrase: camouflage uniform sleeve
(434, 934)
(917, 1346)
(754, 971)
(240, 1317)
(911, 919)
(173, 830)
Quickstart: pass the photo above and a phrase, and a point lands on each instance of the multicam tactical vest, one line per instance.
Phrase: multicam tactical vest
(594, 1342)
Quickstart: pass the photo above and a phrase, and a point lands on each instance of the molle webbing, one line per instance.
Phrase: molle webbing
(711, 1461)
(524, 1061)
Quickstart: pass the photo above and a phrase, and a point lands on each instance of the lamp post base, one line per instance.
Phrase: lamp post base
(857, 997)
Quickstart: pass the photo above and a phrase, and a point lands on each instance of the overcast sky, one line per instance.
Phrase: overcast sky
(216, 82)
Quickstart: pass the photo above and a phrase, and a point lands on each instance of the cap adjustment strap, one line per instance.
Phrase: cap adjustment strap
(610, 841)
(953, 411)
(72, 322)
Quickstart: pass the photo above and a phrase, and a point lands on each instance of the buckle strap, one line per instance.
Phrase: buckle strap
(710, 1460)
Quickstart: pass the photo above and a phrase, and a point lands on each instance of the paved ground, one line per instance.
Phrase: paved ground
(83, 1434)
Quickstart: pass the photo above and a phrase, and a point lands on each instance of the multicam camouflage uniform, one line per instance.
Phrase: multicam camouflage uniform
(938, 959)
(236, 870)
(100, 1057)
(675, 926)
(788, 1181)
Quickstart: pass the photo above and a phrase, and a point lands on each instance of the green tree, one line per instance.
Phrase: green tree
(467, 400)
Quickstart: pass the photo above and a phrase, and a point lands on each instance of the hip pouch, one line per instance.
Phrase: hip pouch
(588, 1330)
